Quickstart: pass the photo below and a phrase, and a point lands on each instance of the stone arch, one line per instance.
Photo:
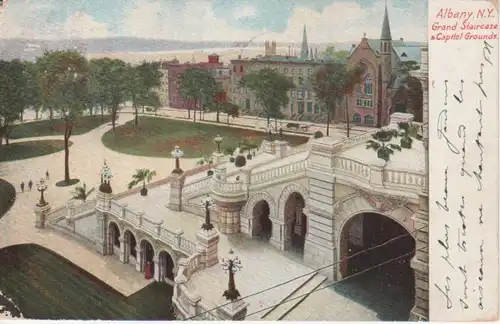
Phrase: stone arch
(112, 245)
(168, 250)
(117, 223)
(131, 240)
(167, 264)
(286, 192)
(254, 199)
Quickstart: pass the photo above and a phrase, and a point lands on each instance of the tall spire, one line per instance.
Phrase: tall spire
(386, 29)
(304, 52)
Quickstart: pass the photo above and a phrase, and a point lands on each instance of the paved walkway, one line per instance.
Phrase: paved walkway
(86, 157)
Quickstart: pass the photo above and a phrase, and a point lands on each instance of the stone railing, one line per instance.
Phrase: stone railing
(153, 228)
(378, 176)
(56, 213)
(195, 186)
(226, 187)
(83, 207)
(294, 168)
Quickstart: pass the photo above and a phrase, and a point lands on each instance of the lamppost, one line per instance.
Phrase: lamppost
(106, 176)
(231, 265)
(177, 154)
(281, 134)
(218, 141)
(42, 187)
(269, 132)
(207, 204)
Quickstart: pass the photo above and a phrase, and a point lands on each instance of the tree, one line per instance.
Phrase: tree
(99, 94)
(64, 81)
(197, 85)
(13, 82)
(115, 75)
(219, 99)
(81, 193)
(413, 87)
(231, 110)
(331, 53)
(142, 175)
(270, 89)
(381, 144)
(32, 92)
(331, 83)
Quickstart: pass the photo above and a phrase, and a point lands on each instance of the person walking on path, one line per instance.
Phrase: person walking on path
(22, 186)
(30, 184)
(47, 175)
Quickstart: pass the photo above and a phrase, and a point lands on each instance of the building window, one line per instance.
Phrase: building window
(356, 118)
(317, 108)
(293, 94)
(368, 85)
(293, 71)
(241, 68)
(309, 95)
(301, 72)
(310, 107)
(301, 107)
(285, 70)
(310, 71)
(234, 68)
(369, 120)
(301, 80)
(291, 108)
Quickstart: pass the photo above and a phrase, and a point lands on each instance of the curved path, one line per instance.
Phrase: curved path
(86, 158)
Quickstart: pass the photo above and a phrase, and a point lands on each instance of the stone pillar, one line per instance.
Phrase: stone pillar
(420, 262)
(228, 216)
(101, 235)
(41, 215)
(123, 249)
(277, 237)
(71, 208)
(156, 262)
(281, 148)
(235, 311)
(208, 245)
(269, 147)
(217, 157)
(176, 184)
(140, 255)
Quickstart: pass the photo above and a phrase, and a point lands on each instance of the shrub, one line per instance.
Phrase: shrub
(240, 161)
(318, 134)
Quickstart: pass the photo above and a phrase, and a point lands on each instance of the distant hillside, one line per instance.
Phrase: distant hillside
(28, 49)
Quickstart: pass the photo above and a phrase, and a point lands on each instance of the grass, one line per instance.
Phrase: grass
(55, 127)
(156, 137)
(47, 286)
(7, 195)
(30, 149)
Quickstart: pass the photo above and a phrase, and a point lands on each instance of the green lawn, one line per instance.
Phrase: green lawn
(7, 195)
(157, 137)
(55, 127)
(47, 286)
(30, 149)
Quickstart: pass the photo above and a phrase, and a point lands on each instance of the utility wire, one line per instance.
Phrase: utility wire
(311, 272)
(334, 283)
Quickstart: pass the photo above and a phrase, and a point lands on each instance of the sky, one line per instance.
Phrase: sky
(214, 20)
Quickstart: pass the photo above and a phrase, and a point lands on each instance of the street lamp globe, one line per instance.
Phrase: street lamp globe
(231, 265)
(218, 140)
(177, 154)
(41, 187)
(106, 176)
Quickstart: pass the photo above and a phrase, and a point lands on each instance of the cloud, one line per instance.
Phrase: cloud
(81, 25)
(342, 21)
(244, 12)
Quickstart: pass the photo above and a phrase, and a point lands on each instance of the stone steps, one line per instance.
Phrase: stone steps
(293, 300)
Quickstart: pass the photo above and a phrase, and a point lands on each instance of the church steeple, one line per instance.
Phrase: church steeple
(386, 28)
(304, 51)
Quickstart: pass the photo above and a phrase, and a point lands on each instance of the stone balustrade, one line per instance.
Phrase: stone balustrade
(274, 173)
(153, 228)
(195, 186)
(226, 187)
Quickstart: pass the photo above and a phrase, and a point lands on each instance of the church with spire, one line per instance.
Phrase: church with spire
(379, 93)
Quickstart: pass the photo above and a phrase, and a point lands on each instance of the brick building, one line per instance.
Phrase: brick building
(378, 95)
(176, 69)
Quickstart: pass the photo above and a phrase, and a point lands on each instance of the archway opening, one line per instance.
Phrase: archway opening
(113, 239)
(262, 226)
(296, 222)
(147, 259)
(376, 253)
(166, 266)
(130, 247)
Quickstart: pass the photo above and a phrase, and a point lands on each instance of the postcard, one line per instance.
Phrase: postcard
(331, 160)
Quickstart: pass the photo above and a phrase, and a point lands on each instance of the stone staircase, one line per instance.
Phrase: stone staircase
(291, 301)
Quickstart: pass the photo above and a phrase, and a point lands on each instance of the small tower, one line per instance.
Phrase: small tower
(304, 50)
(385, 70)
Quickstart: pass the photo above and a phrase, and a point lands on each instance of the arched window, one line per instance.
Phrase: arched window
(357, 88)
(369, 120)
(368, 85)
(356, 118)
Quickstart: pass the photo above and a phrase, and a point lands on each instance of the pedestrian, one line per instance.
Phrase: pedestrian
(22, 186)
(47, 175)
(30, 184)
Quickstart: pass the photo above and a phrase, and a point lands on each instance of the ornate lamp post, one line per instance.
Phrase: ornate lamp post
(177, 154)
(207, 204)
(218, 141)
(231, 265)
(41, 187)
(106, 176)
